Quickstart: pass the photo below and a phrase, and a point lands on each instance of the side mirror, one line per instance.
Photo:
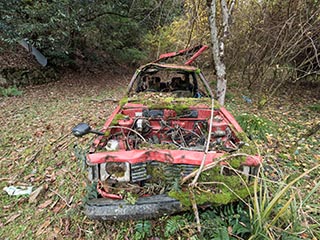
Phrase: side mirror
(81, 129)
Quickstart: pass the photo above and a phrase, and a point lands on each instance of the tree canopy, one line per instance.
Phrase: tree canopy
(70, 29)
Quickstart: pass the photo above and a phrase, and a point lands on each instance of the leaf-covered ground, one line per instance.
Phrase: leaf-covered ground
(36, 149)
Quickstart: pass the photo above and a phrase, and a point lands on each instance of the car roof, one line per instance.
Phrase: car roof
(169, 66)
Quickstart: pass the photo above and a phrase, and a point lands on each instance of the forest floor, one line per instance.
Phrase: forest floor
(36, 149)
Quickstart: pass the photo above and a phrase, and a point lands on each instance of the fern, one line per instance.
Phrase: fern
(80, 154)
(142, 229)
(217, 222)
(91, 190)
(173, 225)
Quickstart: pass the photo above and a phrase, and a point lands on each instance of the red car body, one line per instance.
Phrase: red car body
(169, 122)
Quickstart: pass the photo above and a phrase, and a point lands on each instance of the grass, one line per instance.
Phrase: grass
(36, 148)
(314, 107)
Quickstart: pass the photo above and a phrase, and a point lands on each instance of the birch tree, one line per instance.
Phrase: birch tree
(218, 44)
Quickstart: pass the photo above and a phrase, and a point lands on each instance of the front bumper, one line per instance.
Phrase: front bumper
(145, 208)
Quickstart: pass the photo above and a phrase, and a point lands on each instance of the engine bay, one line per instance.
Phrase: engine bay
(138, 127)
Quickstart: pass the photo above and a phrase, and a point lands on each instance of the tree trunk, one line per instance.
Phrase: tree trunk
(218, 46)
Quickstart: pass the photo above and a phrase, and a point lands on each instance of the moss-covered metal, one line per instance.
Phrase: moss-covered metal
(116, 119)
(169, 101)
(218, 195)
(215, 188)
(123, 101)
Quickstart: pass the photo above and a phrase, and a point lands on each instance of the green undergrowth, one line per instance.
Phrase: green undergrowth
(10, 91)
(314, 107)
(217, 222)
(218, 194)
(277, 210)
(256, 127)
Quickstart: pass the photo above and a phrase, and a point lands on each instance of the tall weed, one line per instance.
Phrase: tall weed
(276, 210)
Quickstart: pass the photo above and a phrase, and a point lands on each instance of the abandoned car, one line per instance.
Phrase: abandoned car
(151, 146)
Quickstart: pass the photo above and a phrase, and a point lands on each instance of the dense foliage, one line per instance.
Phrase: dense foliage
(274, 42)
(70, 30)
(269, 43)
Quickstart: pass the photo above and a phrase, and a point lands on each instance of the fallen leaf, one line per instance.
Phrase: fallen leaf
(54, 204)
(45, 204)
(36, 193)
(28, 176)
(58, 207)
(56, 230)
(9, 206)
(66, 230)
(38, 133)
(43, 227)
(304, 235)
(12, 218)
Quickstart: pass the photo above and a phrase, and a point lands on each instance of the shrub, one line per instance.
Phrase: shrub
(10, 91)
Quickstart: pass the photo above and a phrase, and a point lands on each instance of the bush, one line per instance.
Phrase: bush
(130, 56)
(10, 91)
